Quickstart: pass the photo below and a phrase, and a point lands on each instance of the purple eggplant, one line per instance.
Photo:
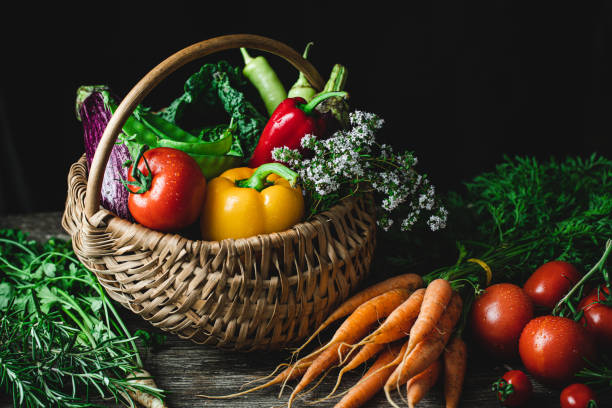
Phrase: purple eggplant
(93, 110)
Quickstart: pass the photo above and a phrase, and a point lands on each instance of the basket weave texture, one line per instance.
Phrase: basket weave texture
(261, 292)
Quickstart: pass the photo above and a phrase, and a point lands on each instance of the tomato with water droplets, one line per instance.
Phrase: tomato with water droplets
(550, 282)
(498, 317)
(167, 190)
(597, 317)
(554, 348)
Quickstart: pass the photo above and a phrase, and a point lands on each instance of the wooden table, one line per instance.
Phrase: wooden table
(185, 369)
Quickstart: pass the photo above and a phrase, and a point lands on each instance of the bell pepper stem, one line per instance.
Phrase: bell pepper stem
(258, 180)
(309, 107)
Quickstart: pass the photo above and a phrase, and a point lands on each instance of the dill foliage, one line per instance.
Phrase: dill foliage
(563, 207)
(518, 216)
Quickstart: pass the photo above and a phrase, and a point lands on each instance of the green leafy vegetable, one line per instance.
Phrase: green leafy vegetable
(217, 86)
(61, 336)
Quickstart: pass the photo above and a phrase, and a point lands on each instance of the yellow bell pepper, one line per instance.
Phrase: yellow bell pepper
(243, 202)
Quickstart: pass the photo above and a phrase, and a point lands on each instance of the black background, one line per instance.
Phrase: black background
(459, 83)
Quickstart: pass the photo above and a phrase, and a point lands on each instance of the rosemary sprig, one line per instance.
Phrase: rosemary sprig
(61, 338)
(44, 362)
(599, 374)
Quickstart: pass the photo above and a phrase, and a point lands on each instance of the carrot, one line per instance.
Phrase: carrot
(398, 324)
(455, 364)
(437, 295)
(367, 352)
(321, 362)
(373, 380)
(395, 326)
(390, 365)
(428, 350)
(418, 386)
(370, 312)
(355, 326)
(407, 281)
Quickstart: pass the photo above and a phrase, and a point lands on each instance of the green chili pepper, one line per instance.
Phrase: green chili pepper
(263, 77)
(302, 88)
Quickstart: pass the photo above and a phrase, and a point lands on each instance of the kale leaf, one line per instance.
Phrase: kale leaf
(217, 86)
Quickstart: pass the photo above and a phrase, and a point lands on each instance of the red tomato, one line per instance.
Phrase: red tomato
(498, 317)
(550, 282)
(513, 389)
(553, 349)
(577, 396)
(176, 194)
(597, 315)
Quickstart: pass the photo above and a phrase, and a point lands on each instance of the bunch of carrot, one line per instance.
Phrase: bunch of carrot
(413, 344)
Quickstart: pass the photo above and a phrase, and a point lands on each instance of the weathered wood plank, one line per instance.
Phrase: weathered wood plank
(185, 369)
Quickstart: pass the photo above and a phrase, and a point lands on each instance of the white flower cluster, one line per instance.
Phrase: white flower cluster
(350, 160)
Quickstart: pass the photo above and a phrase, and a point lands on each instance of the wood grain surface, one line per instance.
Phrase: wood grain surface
(185, 369)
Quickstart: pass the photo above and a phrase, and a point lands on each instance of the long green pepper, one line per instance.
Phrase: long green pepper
(265, 80)
(302, 88)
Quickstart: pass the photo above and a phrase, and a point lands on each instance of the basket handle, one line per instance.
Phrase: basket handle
(161, 71)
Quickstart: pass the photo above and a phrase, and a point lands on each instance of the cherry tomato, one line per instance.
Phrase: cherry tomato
(578, 396)
(498, 317)
(550, 282)
(513, 389)
(598, 314)
(176, 192)
(553, 349)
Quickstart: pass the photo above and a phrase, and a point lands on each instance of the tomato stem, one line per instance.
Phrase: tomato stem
(142, 181)
(503, 388)
(598, 266)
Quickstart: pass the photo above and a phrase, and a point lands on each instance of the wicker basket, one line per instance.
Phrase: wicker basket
(262, 292)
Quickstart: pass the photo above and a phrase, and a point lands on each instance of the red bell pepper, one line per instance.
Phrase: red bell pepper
(290, 122)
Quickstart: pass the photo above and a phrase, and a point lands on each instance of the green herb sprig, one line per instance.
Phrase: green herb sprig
(62, 340)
